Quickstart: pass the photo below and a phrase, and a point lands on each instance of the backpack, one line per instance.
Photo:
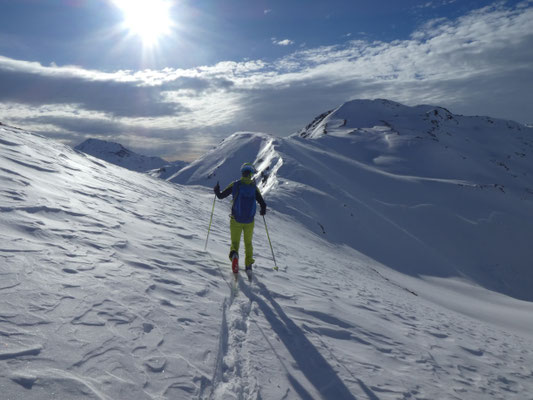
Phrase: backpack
(243, 209)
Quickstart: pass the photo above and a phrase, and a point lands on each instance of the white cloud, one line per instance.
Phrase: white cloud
(267, 11)
(436, 4)
(284, 42)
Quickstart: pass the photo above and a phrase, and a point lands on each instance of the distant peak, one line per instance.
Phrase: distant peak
(116, 153)
(92, 145)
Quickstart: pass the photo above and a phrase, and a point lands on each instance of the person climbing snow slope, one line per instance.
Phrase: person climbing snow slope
(245, 194)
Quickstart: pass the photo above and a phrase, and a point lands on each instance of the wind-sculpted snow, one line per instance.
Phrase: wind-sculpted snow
(419, 189)
(106, 293)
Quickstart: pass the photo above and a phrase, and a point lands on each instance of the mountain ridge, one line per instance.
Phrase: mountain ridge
(444, 186)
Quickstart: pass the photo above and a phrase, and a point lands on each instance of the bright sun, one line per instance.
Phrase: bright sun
(148, 19)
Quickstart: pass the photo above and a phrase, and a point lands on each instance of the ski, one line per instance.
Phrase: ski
(249, 272)
(235, 285)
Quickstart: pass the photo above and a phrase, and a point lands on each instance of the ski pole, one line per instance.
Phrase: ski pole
(268, 236)
(210, 221)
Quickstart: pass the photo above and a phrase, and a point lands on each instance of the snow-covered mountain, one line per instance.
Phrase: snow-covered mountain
(422, 190)
(106, 291)
(117, 154)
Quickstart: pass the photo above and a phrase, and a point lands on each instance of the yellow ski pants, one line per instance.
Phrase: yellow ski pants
(236, 229)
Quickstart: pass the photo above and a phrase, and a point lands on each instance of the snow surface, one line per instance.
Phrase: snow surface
(167, 170)
(106, 291)
(117, 154)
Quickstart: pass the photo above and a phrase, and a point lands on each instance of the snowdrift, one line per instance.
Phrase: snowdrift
(419, 189)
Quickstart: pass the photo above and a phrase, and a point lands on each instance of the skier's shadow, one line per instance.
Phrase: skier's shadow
(312, 364)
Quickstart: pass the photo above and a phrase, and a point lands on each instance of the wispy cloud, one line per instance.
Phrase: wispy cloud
(480, 63)
(284, 42)
(436, 3)
(267, 11)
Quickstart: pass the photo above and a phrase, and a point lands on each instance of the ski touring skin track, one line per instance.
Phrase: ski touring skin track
(232, 376)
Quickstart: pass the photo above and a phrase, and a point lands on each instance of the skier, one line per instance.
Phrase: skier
(245, 194)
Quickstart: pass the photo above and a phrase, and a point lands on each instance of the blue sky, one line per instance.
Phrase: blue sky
(73, 69)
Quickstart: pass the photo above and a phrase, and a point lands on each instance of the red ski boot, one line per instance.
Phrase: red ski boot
(235, 263)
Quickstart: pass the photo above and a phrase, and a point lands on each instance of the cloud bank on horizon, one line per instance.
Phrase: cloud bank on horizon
(478, 63)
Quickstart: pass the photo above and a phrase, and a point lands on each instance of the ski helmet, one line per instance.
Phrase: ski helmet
(247, 168)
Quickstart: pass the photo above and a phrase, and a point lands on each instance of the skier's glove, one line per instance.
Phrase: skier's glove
(216, 189)
(263, 211)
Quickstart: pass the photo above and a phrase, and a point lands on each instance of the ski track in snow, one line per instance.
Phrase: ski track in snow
(106, 293)
(232, 377)
(235, 366)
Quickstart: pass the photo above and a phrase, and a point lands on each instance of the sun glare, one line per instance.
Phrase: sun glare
(148, 19)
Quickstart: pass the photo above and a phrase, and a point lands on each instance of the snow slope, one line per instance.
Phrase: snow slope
(167, 170)
(419, 189)
(106, 292)
(117, 154)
